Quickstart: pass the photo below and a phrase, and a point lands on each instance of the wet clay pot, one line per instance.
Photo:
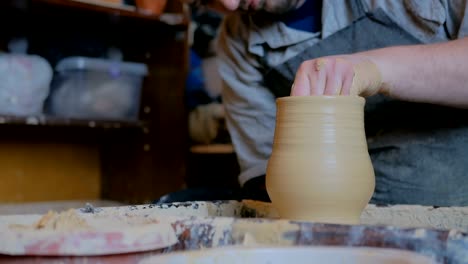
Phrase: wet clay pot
(320, 169)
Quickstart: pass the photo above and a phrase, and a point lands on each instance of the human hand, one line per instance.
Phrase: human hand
(337, 75)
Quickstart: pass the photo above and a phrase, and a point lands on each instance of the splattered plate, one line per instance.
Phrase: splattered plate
(107, 235)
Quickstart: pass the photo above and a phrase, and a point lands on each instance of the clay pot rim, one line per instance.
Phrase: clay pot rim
(353, 99)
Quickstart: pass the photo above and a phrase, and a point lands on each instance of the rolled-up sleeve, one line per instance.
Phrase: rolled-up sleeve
(250, 106)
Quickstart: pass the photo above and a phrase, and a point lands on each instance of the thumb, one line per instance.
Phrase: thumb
(367, 79)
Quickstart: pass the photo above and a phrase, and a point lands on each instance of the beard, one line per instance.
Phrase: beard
(276, 7)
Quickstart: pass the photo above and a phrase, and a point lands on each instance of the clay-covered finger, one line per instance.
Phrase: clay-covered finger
(334, 81)
(301, 86)
(348, 76)
(321, 69)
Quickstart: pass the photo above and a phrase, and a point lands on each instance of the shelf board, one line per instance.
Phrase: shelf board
(171, 19)
(51, 121)
(212, 149)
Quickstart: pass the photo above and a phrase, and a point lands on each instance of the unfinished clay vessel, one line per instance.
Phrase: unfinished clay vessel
(320, 169)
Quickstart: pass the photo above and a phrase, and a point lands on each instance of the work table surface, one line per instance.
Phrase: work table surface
(441, 233)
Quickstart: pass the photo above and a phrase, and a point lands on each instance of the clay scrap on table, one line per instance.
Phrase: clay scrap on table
(57, 221)
(64, 221)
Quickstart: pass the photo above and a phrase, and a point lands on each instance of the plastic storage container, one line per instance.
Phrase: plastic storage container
(97, 89)
(24, 84)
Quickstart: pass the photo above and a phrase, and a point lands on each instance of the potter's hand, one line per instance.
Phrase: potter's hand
(337, 75)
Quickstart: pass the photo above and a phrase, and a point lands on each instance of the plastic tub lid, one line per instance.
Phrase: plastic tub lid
(94, 64)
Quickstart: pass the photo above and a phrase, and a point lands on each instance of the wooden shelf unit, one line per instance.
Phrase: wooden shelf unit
(137, 161)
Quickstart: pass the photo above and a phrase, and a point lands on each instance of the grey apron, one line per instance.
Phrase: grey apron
(419, 151)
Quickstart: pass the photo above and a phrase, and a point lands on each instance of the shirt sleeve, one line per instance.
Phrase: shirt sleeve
(250, 107)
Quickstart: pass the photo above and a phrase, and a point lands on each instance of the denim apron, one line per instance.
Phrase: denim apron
(419, 151)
